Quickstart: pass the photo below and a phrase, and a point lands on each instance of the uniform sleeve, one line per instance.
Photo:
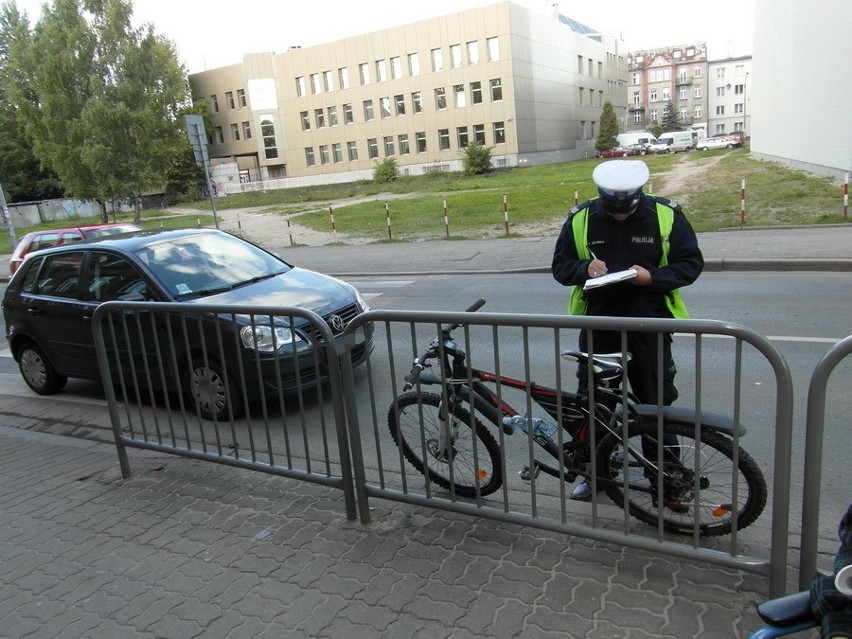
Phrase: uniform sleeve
(685, 259)
(567, 268)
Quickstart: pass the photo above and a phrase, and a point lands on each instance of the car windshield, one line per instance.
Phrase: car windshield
(205, 264)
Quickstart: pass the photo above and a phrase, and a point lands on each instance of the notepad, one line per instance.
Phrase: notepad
(610, 278)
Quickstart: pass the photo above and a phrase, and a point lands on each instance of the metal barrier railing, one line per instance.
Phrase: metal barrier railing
(814, 437)
(528, 347)
(180, 379)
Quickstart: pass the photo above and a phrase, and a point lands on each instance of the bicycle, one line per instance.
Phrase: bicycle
(442, 436)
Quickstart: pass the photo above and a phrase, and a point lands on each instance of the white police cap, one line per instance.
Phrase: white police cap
(622, 177)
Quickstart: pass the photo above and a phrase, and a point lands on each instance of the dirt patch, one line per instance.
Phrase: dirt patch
(676, 181)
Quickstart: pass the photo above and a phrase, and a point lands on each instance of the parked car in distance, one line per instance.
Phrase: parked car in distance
(37, 240)
(640, 149)
(226, 358)
(673, 142)
(615, 152)
(715, 142)
(737, 138)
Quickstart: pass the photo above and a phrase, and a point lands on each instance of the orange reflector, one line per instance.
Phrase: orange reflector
(721, 511)
(482, 474)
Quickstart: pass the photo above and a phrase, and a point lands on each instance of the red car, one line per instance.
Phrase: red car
(615, 152)
(46, 238)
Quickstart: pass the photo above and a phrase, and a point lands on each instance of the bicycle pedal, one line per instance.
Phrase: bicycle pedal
(527, 475)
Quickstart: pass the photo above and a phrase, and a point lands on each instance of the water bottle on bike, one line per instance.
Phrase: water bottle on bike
(536, 425)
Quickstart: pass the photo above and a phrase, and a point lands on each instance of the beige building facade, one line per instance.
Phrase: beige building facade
(530, 86)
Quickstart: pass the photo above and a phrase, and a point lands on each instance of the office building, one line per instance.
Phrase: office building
(529, 85)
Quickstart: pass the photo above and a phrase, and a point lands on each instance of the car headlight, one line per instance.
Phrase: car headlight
(268, 339)
(362, 303)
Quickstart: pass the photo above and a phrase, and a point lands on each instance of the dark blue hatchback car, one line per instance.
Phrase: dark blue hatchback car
(220, 361)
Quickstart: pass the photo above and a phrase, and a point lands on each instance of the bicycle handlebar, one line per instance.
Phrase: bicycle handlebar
(417, 368)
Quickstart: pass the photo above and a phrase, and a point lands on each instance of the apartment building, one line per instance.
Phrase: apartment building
(531, 86)
(676, 75)
(727, 102)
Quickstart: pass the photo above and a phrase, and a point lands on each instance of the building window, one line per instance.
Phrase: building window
(343, 77)
(352, 148)
(337, 152)
(666, 96)
(580, 65)
(310, 160)
(267, 132)
(319, 118)
(229, 98)
(738, 107)
(683, 114)
(220, 136)
(738, 126)
(420, 141)
(493, 49)
(247, 130)
(739, 89)
(417, 102)
(696, 72)
(682, 93)
(473, 52)
(389, 150)
(653, 115)
(652, 95)
(720, 110)
(499, 130)
(235, 132)
(479, 134)
(364, 73)
(697, 112)
(328, 81)
(316, 87)
(241, 98)
(437, 60)
(372, 148)
(381, 71)
(720, 92)
(720, 128)
(332, 116)
(306, 120)
(324, 157)
(396, 68)
(496, 90)
(462, 136)
(300, 86)
(476, 92)
(459, 96)
(413, 64)
(384, 105)
(400, 104)
(456, 56)
(443, 139)
(368, 110)
(214, 104)
(637, 118)
(637, 78)
(696, 92)
(348, 118)
(403, 144)
(720, 72)
(440, 99)
(636, 98)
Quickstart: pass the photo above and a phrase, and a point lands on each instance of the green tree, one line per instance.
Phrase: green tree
(20, 171)
(476, 158)
(386, 171)
(99, 98)
(656, 129)
(608, 130)
(671, 118)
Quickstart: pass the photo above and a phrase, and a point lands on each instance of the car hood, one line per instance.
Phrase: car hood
(297, 287)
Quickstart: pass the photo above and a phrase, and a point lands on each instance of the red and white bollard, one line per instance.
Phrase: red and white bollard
(576, 197)
(446, 219)
(387, 215)
(506, 213)
(742, 202)
(333, 225)
(290, 231)
(846, 196)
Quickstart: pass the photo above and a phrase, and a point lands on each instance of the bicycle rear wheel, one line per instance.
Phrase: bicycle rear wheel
(469, 457)
(712, 505)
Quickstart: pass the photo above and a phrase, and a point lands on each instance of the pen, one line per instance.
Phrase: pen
(594, 257)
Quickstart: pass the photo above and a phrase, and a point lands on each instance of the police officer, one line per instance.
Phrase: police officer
(621, 229)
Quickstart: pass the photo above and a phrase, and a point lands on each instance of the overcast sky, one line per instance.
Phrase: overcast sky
(208, 39)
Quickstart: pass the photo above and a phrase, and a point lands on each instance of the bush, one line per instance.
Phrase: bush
(386, 171)
(476, 158)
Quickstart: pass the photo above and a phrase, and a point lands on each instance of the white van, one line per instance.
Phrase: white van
(635, 137)
(672, 142)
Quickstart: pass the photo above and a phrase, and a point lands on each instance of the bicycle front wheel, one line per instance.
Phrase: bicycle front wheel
(459, 454)
(711, 460)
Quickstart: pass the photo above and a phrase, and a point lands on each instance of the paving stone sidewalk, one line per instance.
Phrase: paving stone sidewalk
(187, 549)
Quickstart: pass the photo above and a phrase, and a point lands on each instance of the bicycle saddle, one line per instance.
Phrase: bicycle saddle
(607, 365)
(787, 611)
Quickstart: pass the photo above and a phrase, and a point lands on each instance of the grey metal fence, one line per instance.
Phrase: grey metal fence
(527, 349)
(814, 437)
(184, 379)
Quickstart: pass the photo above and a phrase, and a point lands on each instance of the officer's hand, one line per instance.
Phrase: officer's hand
(597, 268)
(643, 276)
